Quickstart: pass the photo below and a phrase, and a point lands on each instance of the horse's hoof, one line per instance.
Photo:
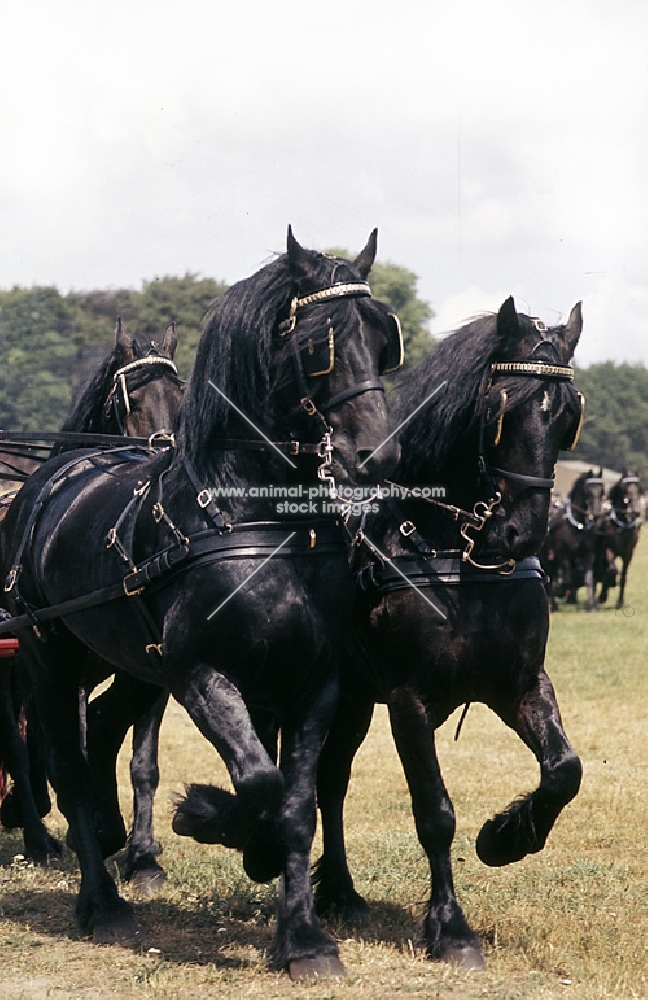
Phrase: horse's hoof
(148, 881)
(466, 956)
(120, 928)
(316, 968)
(264, 856)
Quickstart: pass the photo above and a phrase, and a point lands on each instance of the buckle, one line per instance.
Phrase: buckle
(294, 448)
(309, 406)
(12, 577)
(131, 593)
(161, 438)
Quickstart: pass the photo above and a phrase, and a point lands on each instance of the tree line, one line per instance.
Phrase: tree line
(50, 343)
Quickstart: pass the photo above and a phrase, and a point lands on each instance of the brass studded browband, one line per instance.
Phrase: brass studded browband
(535, 368)
(339, 291)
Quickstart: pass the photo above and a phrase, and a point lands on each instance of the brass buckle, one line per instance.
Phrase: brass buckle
(309, 406)
(159, 438)
(131, 593)
(294, 448)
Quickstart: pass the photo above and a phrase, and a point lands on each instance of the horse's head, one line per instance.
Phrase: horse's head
(146, 392)
(625, 497)
(337, 343)
(529, 412)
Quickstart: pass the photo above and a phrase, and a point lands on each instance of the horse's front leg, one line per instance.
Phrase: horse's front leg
(447, 933)
(590, 583)
(625, 562)
(335, 894)
(524, 826)
(213, 815)
(301, 946)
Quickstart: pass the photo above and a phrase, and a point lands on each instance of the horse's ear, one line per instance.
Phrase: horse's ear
(573, 329)
(508, 324)
(300, 263)
(170, 340)
(364, 260)
(124, 343)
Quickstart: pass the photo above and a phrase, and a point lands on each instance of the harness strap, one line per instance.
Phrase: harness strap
(204, 498)
(83, 439)
(442, 572)
(248, 540)
(355, 390)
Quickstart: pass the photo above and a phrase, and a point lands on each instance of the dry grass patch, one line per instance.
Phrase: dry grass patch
(569, 922)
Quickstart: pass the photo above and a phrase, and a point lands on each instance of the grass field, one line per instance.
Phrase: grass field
(569, 922)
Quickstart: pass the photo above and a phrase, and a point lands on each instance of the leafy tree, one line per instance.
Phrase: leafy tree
(615, 433)
(52, 343)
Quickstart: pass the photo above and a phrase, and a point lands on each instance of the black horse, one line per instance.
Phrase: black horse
(135, 392)
(237, 609)
(569, 551)
(619, 532)
(451, 606)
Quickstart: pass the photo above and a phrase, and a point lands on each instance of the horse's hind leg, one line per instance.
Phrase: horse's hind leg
(110, 716)
(523, 828)
(142, 868)
(448, 935)
(20, 809)
(54, 667)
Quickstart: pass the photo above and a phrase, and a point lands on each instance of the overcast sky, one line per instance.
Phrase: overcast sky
(500, 147)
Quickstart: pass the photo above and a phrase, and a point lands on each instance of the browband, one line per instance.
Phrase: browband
(151, 359)
(538, 369)
(338, 291)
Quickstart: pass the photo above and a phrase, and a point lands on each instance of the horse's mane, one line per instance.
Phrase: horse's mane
(463, 360)
(241, 353)
(86, 414)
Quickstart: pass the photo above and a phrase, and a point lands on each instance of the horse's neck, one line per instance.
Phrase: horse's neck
(246, 486)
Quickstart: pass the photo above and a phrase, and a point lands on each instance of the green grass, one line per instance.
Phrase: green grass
(570, 921)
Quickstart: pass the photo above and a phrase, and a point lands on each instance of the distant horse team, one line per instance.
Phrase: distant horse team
(588, 534)
(280, 632)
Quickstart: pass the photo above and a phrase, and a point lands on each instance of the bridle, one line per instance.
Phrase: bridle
(636, 518)
(482, 511)
(316, 357)
(131, 377)
(524, 369)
